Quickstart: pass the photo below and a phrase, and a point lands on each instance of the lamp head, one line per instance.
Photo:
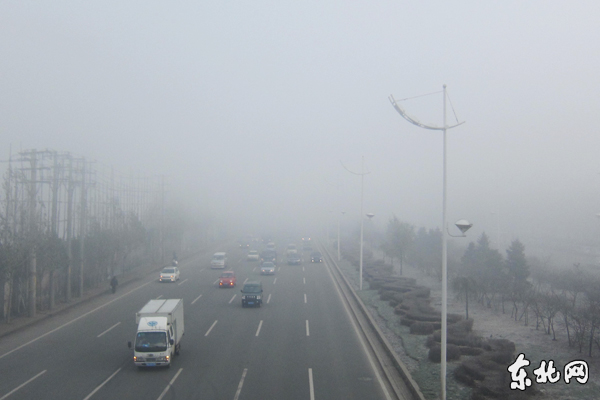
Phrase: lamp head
(463, 225)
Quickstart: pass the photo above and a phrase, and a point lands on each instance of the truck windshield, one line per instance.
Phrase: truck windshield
(151, 342)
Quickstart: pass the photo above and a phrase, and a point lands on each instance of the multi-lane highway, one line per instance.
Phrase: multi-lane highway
(301, 344)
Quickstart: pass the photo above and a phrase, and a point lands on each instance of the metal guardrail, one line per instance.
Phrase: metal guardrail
(397, 375)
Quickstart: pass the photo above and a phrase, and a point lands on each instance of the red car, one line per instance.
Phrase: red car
(227, 279)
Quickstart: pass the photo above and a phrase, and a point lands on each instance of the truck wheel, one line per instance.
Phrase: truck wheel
(177, 348)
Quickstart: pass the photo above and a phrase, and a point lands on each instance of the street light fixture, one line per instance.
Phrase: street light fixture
(444, 235)
(371, 215)
(464, 226)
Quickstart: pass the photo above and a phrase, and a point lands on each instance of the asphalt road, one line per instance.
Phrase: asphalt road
(301, 344)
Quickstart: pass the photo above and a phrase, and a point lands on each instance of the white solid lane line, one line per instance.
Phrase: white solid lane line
(212, 326)
(75, 319)
(239, 389)
(269, 298)
(310, 384)
(102, 384)
(114, 326)
(22, 384)
(181, 282)
(196, 299)
(259, 325)
(274, 281)
(169, 385)
(304, 298)
(232, 298)
(307, 331)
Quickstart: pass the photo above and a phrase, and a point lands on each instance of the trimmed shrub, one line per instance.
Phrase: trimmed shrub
(461, 375)
(421, 328)
(501, 357)
(470, 351)
(502, 345)
(435, 353)
(386, 295)
(474, 370)
(463, 326)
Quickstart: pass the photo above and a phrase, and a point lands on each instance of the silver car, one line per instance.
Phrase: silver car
(169, 274)
(267, 268)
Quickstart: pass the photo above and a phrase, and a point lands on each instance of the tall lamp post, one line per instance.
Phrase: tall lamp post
(338, 241)
(362, 218)
(444, 234)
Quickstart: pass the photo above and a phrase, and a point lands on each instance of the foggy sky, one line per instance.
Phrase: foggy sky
(250, 108)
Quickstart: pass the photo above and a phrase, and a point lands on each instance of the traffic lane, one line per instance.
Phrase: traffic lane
(337, 344)
(276, 362)
(208, 358)
(75, 347)
(64, 341)
(69, 347)
(340, 366)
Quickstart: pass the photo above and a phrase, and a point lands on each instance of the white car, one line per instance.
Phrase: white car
(169, 274)
(253, 255)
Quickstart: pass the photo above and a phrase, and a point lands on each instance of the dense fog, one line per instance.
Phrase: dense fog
(254, 112)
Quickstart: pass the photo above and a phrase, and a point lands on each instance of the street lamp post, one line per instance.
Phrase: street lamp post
(338, 241)
(444, 235)
(362, 191)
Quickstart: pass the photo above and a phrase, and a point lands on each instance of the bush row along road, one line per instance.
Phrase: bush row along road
(300, 345)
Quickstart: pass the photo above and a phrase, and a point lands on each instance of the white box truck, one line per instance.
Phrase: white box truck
(159, 333)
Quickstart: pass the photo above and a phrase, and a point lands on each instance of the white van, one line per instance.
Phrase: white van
(219, 260)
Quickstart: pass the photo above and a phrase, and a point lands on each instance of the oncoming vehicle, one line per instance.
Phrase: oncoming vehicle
(268, 256)
(169, 274)
(227, 279)
(306, 243)
(252, 294)
(267, 268)
(219, 260)
(253, 255)
(315, 257)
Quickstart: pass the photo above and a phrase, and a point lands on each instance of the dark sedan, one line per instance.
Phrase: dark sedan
(294, 259)
(315, 257)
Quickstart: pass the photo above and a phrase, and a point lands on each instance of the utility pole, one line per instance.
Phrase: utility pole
(82, 226)
(32, 238)
(70, 189)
